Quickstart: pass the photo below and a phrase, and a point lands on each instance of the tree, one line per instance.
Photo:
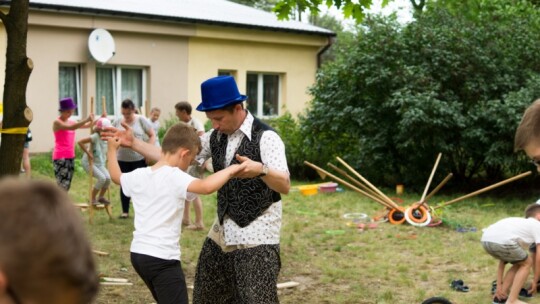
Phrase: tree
(18, 69)
(350, 9)
(397, 95)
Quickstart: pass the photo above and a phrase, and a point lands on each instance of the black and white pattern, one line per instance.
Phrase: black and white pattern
(242, 276)
(63, 171)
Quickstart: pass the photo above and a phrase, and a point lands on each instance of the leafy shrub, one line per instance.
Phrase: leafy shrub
(398, 95)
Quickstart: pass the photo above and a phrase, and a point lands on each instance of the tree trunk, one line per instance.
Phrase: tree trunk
(17, 116)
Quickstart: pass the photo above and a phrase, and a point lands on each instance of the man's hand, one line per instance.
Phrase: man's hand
(251, 169)
(124, 137)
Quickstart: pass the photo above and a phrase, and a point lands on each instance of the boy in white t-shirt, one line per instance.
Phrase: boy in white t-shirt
(505, 240)
(158, 194)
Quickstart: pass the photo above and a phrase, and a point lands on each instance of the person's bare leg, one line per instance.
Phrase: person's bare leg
(197, 205)
(521, 275)
(185, 220)
(26, 163)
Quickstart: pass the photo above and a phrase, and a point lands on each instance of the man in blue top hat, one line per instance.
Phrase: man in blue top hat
(239, 261)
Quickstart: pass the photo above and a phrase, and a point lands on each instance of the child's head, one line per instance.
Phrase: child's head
(533, 210)
(101, 124)
(183, 111)
(154, 113)
(528, 132)
(45, 256)
(181, 135)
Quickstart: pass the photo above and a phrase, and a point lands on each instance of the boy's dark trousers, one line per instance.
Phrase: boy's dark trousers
(164, 278)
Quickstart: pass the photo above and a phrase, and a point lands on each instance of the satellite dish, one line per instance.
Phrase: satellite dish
(101, 45)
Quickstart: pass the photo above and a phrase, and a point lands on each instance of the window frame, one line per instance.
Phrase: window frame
(117, 87)
(260, 92)
(78, 86)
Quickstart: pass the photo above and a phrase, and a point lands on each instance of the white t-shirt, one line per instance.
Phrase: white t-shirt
(513, 230)
(197, 124)
(158, 200)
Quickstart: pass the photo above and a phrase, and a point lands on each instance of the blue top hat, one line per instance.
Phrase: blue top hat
(67, 104)
(219, 92)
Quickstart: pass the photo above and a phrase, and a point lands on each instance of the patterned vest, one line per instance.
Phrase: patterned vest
(242, 199)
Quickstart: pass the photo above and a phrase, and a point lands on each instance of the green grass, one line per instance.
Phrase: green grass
(392, 264)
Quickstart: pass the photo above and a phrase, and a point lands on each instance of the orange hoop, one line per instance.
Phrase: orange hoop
(396, 216)
(413, 216)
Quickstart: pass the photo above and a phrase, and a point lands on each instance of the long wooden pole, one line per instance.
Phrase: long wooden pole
(386, 198)
(355, 181)
(439, 186)
(430, 178)
(506, 181)
(339, 180)
(91, 167)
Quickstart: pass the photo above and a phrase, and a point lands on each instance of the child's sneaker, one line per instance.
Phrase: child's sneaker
(95, 203)
(498, 301)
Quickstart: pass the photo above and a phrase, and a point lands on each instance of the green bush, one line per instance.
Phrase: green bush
(398, 95)
(171, 120)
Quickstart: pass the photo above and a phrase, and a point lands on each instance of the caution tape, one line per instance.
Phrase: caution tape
(20, 130)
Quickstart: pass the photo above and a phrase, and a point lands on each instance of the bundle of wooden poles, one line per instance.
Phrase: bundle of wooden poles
(419, 213)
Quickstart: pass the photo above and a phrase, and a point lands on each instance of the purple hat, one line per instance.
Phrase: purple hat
(219, 92)
(67, 104)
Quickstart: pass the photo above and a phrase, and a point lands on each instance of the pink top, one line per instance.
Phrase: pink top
(64, 143)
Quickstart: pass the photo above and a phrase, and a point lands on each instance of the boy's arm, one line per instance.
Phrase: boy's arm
(215, 181)
(112, 161)
(126, 139)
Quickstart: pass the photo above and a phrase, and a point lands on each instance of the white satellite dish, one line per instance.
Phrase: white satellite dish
(101, 45)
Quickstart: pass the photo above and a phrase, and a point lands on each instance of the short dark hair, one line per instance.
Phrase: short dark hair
(128, 104)
(44, 248)
(532, 210)
(181, 135)
(183, 106)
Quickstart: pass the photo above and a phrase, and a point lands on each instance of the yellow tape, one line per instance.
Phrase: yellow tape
(21, 130)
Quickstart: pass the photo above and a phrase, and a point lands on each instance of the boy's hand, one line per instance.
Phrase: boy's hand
(113, 143)
(125, 137)
(251, 169)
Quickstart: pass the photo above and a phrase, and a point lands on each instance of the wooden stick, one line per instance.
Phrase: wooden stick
(506, 181)
(100, 253)
(103, 106)
(430, 178)
(116, 283)
(117, 280)
(352, 179)
(339, 180)
(91, 167)
(439, 186)
(386, 198)
(287, 285)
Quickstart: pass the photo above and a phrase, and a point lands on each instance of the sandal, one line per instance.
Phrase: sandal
(458, 285)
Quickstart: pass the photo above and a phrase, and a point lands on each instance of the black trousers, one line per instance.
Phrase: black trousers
(164, 278)
(126, 167)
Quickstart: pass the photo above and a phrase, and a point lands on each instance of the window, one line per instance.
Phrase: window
(69, 84)
(263, 94)
(117, 84)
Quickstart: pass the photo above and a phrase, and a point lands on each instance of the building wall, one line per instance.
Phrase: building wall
(53, 40)
(293, 56)
(177, 57)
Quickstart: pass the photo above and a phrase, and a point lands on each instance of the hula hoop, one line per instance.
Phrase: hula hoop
(396, 212)
(423, 211)
(409, 220)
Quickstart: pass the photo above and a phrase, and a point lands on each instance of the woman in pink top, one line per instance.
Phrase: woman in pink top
(64, 142)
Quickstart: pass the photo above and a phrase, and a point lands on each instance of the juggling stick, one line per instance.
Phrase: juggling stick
(364, 187)
(506, 181)
(430, 178)
(386, 198)
(439, 186)
(339, 180)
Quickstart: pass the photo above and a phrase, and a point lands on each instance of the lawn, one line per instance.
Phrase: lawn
(332, 262)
